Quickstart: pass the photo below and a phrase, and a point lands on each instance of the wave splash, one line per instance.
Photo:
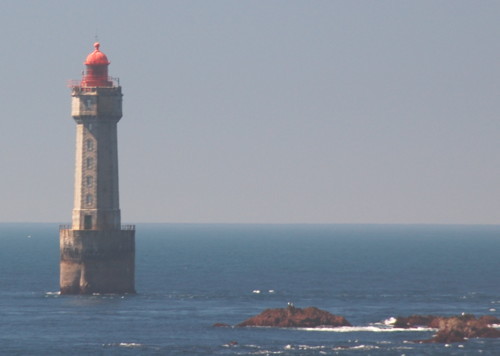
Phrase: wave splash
(323, 347)
(385, 326)
(125, 345)
(376, 328)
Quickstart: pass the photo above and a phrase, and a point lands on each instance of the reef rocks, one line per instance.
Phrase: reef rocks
(412, 321)
(292, 317)
(457, 329)
(453, 329)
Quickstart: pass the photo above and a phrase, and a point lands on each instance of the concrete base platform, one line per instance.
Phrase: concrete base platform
(97, 261)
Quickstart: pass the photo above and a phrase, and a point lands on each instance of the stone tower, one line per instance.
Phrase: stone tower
(97, 252)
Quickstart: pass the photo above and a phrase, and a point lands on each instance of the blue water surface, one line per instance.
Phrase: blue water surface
(190, 276)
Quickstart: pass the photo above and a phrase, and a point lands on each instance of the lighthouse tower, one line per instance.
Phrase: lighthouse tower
(97, 252)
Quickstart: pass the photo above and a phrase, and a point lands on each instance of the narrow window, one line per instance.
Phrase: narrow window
(90, 181)
(89, 199)
(90, 163)
(90, 145)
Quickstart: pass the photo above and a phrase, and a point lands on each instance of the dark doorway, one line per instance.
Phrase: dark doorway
(87, 222)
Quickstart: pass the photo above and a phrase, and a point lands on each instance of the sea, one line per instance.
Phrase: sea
(191, 276)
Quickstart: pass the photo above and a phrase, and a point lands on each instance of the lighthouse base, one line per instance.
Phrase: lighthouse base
(97, 261)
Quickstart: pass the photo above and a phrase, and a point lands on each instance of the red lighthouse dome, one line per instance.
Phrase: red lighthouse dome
(96, 74)
(96, 57)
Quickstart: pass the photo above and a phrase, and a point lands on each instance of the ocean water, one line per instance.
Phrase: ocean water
(190, 276)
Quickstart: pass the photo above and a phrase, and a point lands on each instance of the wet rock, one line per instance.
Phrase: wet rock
(453, 329)
(292, 317)
(413, 321)
(458, 329)
(490, 319)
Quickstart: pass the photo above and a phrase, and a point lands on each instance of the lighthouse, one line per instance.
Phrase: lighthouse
(97, 251)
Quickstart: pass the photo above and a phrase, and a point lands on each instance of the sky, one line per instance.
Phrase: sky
(279, 111)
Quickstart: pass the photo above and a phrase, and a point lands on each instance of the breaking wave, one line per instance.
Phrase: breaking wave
(129, 345)
(323, 347)
(369, 328)
(52, 294)
(383, 327)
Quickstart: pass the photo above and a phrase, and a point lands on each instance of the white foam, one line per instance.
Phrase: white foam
(370, 328)
(256, 291)
(53, 293)
(129, 344)
(267, 352)
(358, 347)
(253, 346)
(307, 347)
(391, 321)
(304, 347)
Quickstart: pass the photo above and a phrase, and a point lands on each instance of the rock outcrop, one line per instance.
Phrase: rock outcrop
(453, 329)
(412, 321)
(293, 317)
(458, 329)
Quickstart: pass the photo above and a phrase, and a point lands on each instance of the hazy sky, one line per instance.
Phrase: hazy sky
(262, 111)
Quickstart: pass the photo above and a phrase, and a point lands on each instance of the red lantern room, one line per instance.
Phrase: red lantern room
(96, 74)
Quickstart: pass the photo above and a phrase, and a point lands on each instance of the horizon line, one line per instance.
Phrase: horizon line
(271, 223)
